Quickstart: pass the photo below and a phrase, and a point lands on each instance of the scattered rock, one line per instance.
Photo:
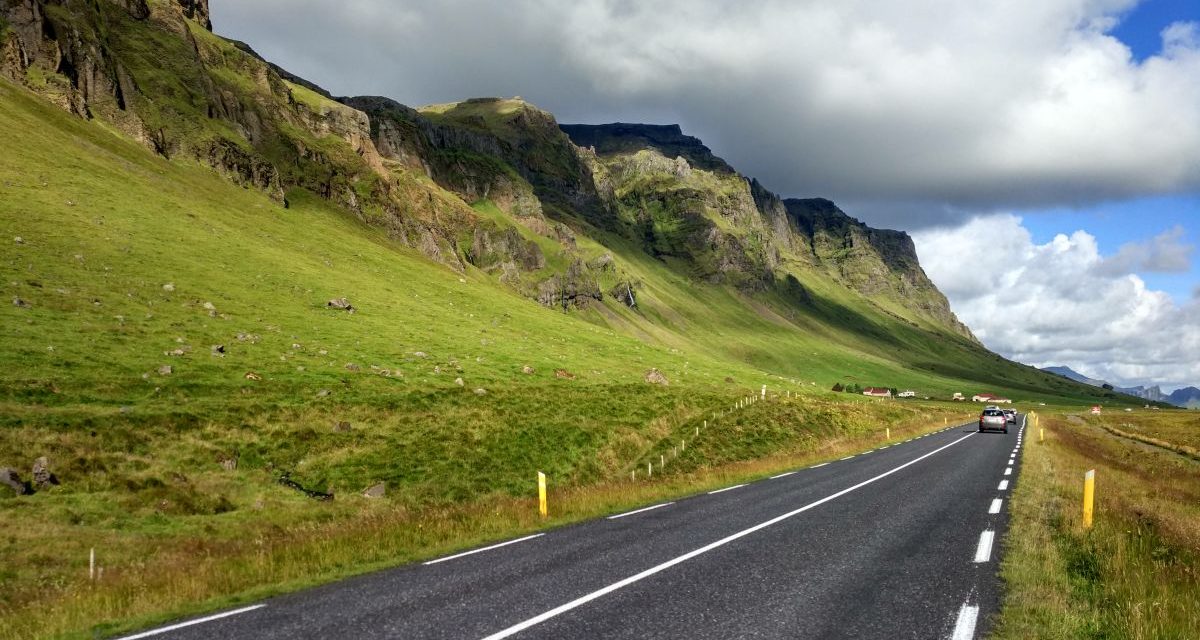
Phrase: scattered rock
(350, 366)
(564, 374)
(341, 426)
(166, 370)
(209, 306)
(42, 477)
(729, 380)
(323, 393)
(420, 354)
(340, 303)
(169, 287)
(218, 350)
(297, 346)
(125, 409)
(287, 481)
(229, 463)
(376, 490)
(481, 392)
(459, 382)
(247, 337)
(323, 352)
(654, 376)
(11, 479)
(527, 370)
(19, 240)
(437, 369)
(17, 302)
(176, 352)
(250, 375)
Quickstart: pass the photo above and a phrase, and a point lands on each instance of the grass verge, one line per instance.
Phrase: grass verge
(1134, 573)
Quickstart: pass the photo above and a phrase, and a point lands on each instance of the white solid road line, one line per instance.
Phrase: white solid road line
(964, 627)
(1003, 485)
(983, 552)
(578, 602)
(782, 475)
(995, 508)
(147, 634)
(629, 513)
(736, 486)
(495, 546)
(818, 465)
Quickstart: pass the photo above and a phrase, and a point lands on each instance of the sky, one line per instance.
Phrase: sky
(1044, 154)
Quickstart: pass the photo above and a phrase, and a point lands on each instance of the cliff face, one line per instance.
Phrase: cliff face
(431, 176)
(687, 204)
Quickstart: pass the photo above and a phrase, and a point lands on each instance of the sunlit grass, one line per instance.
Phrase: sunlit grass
(1134, 574)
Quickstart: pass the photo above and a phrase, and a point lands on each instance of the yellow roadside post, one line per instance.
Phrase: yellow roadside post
(1089, 493)
(888, 431)
(542, 494)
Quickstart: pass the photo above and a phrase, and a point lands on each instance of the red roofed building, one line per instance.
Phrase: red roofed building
(877, 392)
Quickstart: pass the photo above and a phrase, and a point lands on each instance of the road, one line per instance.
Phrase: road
(898, 542)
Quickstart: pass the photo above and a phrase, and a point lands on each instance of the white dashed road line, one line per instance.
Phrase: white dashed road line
(1008, 471)
(154, 632)
(736, 486)
(782, 475)
(983, 552)
(995, 508)
(474, 551)
(1003, 485)
(643, 509)
(964, 627)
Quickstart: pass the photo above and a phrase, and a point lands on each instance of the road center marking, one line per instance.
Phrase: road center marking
(226, 614)
(637, 577)
(983, 552)
(964, 627)
(474, 551)
(995, 508)
(629, 513)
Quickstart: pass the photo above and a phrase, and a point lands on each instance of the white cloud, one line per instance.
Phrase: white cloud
(938, 105)
(1165, 253)
(1061, 303)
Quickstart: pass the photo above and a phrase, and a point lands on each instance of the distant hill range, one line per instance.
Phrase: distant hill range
(1187, 397)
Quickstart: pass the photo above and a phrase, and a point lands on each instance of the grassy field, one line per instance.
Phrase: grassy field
(1134, 574)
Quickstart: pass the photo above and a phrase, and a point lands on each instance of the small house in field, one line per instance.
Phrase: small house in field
(1096, 410)
(907, 394)
(958, 397)
(877, 392)
(990, 398)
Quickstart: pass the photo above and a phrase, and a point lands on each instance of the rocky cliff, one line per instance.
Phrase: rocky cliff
(431, 176)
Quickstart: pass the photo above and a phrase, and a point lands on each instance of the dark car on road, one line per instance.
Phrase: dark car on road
(993, 420)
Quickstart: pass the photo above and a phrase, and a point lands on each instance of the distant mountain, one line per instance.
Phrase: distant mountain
(1071, 374)
(1179, 398)
(1188, 397)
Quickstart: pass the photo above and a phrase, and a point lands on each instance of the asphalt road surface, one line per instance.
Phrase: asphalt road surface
(898, 542)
